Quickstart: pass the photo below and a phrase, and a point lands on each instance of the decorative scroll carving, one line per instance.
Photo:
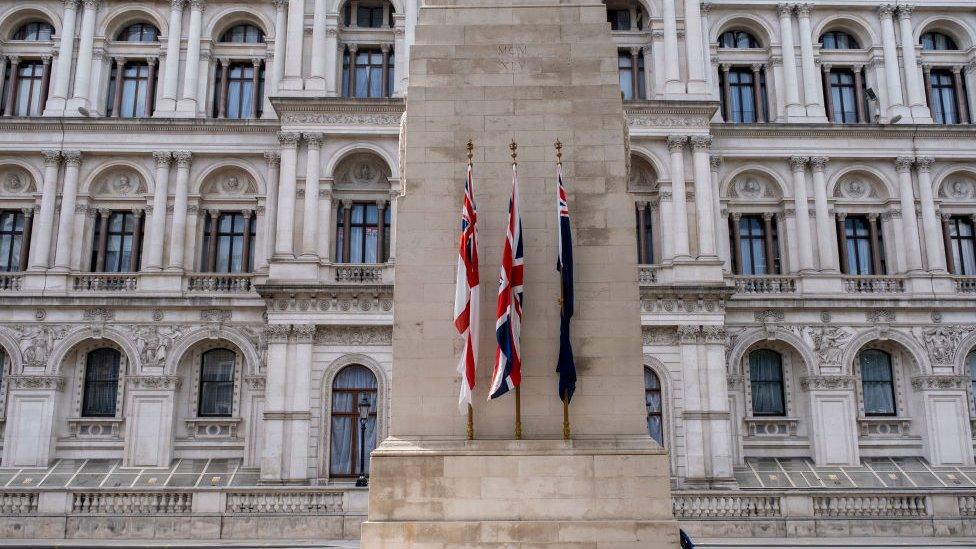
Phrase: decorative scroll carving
(156, 383)
(354, 335)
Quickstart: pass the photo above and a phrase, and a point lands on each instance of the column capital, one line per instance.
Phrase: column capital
(247, 213)
(278, 333)
(214, 213)
(825, 67)
(705, 8)
(903, 164)
(804, 9)
(198, 5)
(314, 139)
(176, 4)
(256, 62)
(757, 67)
(818, 163)
(924, 164)
(635, 50)
(736, 216)
(768, 216)
(137, 213)
(784, 10)
(71, 158)
(163, 158)
(51, 157)
(885, 11)
(956, 69)
(701, 143)
(279, 5)
(715, 162)
(91, 4)
(70, 4)
(799, 163)
(905, 11)
(183, 158)
(273, 159)
(289, 139)
(676, 143)
(304, 333)
(842, 215)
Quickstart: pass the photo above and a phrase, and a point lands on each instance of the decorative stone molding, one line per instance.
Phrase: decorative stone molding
(818, 163)
(713, 334)
(878, 316)
(759, 426)
(100, 428)
(342, 119)
(71, 158)
(769, 315)
(354, 335)
(924, 164)
(659, 335)
(304, 333)
(676, 143)
(278, 333)
(273, 159)
(903, 163)
(35, 383)
(154, 383)
(212, 427)
(215, 315)
(688, 334)
(289, 139)
(798, 163)
(941, 341)
(183, 158)
(884, 427)
(827, 383)
(256, 383)
(940, 383)
(829, 343)
(99, 314)
(340, 301)
(701, 142)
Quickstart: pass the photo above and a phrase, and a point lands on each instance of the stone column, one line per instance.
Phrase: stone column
(727, 114)
(66, 219)
(705, 8)
(960, 90)
(913, 76)
(721, 221)
(273, 160)
(970, 76)
(153, 260)
(704, 196)
(401, 62)
(178, 233)
(676, 145)
(889, 47)
(293, 50)
(270, 66)
(862, 116)
(803, 238)
(284, 245)
(10, 105)
(280, 36)
(326, 220)
(757, 94)
(672, 75)
(188, 99)
(272, 456)
(25, 240)
(298, 404)
(62, 71)
(320, 48)
(718, 460)
(205, 73)
(41, 244)
(826, 243)
(876, 265)
(693, 48)
(83, 70)
(812, 90)
(136, 240)
(909, 220)
(845, 266)
(931, 228)
(947, 243)
(793, 106)
(667, 226)
(331, 54)
(171, 73)
(119, 77)
(656, 71)
(310, 226)
(695, 430)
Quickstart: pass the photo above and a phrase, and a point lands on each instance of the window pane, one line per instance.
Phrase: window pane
(766, 380)
(101, 383)
(877, 380)
(217, 383)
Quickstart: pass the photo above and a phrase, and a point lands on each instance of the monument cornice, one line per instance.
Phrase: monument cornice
(339, 111)
(866, 131)
(130, 126)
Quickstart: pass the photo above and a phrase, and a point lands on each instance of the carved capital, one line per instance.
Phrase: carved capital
(818, 163)
(289, 139)
(903, 164)
(183, 158)
(314, 140)
(798, 163)
(163, 158)
(304, 333)
(676, 143)
(273, 159)
(71, 158)
(784, 10)
(701, 142)
(885, 11)
(51, 157)
(924, 164)
(278, 333)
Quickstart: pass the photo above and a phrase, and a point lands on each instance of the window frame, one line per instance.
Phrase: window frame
(846, 93)
(41, 25)
(233, 236)
(734, 37)
(942, 97)
(13, 240)
(124, 235)
(891, 383)
(853, 42)
(353, 416)
(135, 100)
(228, 37)
(957, 240)
(853, 238)
(112, 382)
(934, 37)
(781, 383)
(659, 413)
(35, 93)
(342, 232)
(144, 28)
(202, 383)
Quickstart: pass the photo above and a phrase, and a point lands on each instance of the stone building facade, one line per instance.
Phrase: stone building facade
(198, 237)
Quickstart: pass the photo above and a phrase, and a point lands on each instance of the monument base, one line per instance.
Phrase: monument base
(504, 493)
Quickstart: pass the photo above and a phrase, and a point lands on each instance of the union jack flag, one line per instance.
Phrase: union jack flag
(507, 374)
(467, 292)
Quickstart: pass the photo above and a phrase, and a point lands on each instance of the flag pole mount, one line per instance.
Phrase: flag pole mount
(566, 431)
(470, 146)
(559, 151)
(513, 146)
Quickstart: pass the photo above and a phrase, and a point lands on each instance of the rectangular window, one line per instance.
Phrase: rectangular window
(11, 240)
(619, 19)
(843, 96)
(101, 383)
(963, 245)
(752, 245)
(645, 235)
(626, 70)
(878, 383)
(943, 97)
(860, 249)
(360, 226)
(118, 241)
(217, 384)
(135, 91)
(369, 77)
(231, 240)
(766, 383)
(29, 100)
(739, 95)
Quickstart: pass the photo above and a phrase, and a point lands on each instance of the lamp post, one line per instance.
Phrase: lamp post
(363, 419)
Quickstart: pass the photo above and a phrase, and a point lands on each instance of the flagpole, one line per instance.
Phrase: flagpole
(470, 146)
(518, 388)
(566, 430)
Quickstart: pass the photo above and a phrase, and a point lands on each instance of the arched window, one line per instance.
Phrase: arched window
(351, 385)
(766, 383)
(838, 40)
(971, 368)
(35, 31)
(138, 32)
(243, 34)
(101, 383)
(370, 14)
(878, 382)
(737, 39)
(937, 41)
(655, 406)
(217, 383)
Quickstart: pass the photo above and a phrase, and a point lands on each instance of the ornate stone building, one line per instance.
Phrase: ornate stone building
(198, 237)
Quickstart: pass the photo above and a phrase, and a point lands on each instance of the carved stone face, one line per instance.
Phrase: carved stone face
(124, 184)
(14, 183)
(855, 188)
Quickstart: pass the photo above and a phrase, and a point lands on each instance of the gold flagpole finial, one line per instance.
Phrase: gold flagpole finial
(470, 150)
(559, 151)
(514, 148)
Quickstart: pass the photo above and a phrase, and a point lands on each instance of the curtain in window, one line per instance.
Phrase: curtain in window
(11, 238)
(963, 245)
(971, 367)
(101, 383)
(217, 383)
(766, 381)
(878, 383)
(652, 400)
(350, 385)
(626, 71)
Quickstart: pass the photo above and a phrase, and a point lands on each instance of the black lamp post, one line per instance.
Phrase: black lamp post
(363, 419)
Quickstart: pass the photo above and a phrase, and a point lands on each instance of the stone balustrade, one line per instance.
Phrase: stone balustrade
(289, 501)
(770, 284)
(18, 503)
(874, 284)
(131, 503)
(362, 274)
(965, 284)
(709, 505)
(105, 282)
(870, 505)
(10, 282)
(771, 426)
(219, 283)
(884, 426)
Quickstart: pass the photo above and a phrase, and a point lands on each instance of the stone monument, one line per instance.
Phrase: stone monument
(533, 71)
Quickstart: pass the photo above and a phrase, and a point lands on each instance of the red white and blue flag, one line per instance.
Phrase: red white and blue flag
(507, 374)
(466, 295)
(565, 366)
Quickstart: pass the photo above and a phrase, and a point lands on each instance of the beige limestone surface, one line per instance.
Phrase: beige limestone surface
(532, 71)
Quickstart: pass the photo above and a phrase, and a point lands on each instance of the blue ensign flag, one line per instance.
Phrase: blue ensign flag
(566, 366)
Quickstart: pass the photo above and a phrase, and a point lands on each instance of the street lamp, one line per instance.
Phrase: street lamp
(363, 419)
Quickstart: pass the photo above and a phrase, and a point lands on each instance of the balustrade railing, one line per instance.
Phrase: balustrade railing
(965, 284)
(870, 505)
(219, 283)
(305, 501)
(18, 503)
(646, 274)
(765, 284)
(760, 426)
(874, 284)
(884, 426)
(359, 274)
(104, 282)
(10, 281)
(131, 503)
(704, 505)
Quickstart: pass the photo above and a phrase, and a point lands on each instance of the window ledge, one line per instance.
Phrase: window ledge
(765, 426)
(95, 427)
(212, 427)
(884, 427)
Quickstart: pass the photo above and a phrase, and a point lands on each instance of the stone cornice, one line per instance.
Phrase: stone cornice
(339, 111)
(169, 125)
(866, 131)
